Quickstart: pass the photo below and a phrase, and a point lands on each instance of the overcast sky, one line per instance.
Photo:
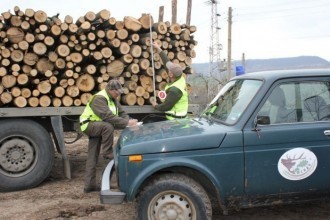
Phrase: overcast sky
(261, 28)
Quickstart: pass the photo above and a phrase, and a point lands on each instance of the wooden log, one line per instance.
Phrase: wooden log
(68, 19)
(160, 27)
(44, 87)
(35, 93)
(33, 101)
(122, 34)
(71, 82)
(23, 45)
(146, 95)
(72, 91)
(1, 89)
(29, 13)
(5, 53)
(85, 83)
(97, 55)
(119, 25)
(16, 56)
(133, 68)
(114, 43)
(161, 85)
(145, 21)
(139, 91)
(146, 83)
(22, 79)
(6, 16)
(129, 99)
(77, 102)
(39, 48)
(56, 102)
(106, 52)
(85, 97)
(49, 41)
(43, 28)
(90, 69)
(132, 24)
(26, 92)
(76, 57)
(134, 37)
(135, 51)
(25, 25)
(3, 72)
(15, 34)
(6, 98)
(9, 81)
(59, 91)
(15, 21)
(100, 34)
(5, 62)
(144, 64)
(103, 14)
(115, 68)
(48, 73)
(53, 80)
(90, 16)
(44, 101)
(84, 27)
(20, 101)
(130, 85)
(73, 28)
(29, 38)
(60, 64)
(52, 56)
(110, 34)
(44, 64)
(26, 69)
(63, 50)
(15, 91)
(124, 48)
(67, 101)
(126, 58)
(40, 16)
(126, 74)
(140, 101)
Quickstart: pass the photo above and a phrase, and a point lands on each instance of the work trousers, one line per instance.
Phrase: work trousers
(100, 133)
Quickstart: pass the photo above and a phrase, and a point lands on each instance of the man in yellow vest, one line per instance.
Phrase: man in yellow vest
(102, 115)
(175, 104)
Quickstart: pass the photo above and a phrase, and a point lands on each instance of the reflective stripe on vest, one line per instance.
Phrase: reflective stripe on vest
(180, 108)
(89, 115)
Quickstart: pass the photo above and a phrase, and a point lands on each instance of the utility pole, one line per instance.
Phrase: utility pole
(229, 42)
(215, 46)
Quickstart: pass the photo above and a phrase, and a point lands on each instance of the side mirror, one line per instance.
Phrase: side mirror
(263, 120)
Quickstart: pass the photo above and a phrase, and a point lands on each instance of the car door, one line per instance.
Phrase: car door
(291, 154)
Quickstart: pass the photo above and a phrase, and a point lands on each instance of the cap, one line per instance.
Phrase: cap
(115, 85)
(175, 68)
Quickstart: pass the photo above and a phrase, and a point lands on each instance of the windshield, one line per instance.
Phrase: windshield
(232, 100)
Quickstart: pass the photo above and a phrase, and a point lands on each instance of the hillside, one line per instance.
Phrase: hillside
(255, 65)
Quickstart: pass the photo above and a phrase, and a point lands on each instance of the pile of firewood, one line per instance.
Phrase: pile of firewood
(49, 62)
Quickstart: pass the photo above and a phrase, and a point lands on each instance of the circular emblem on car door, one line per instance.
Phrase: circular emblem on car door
(297, 164)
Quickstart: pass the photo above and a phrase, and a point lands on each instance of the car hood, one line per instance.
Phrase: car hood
(169, 136)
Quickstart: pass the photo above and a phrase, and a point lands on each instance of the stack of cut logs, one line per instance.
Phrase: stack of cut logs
(49, 62)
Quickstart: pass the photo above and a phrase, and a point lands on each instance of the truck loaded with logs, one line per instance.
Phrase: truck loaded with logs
(49, 69)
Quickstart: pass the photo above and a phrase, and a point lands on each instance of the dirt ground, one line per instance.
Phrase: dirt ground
(61, 198)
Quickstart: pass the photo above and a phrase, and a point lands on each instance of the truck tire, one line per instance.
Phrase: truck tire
(26, 154)
(174, 196)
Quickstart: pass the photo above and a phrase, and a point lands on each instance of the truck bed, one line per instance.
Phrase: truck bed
(77, 110)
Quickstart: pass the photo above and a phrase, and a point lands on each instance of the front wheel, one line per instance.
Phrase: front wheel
(174, 196)
(26, 154)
